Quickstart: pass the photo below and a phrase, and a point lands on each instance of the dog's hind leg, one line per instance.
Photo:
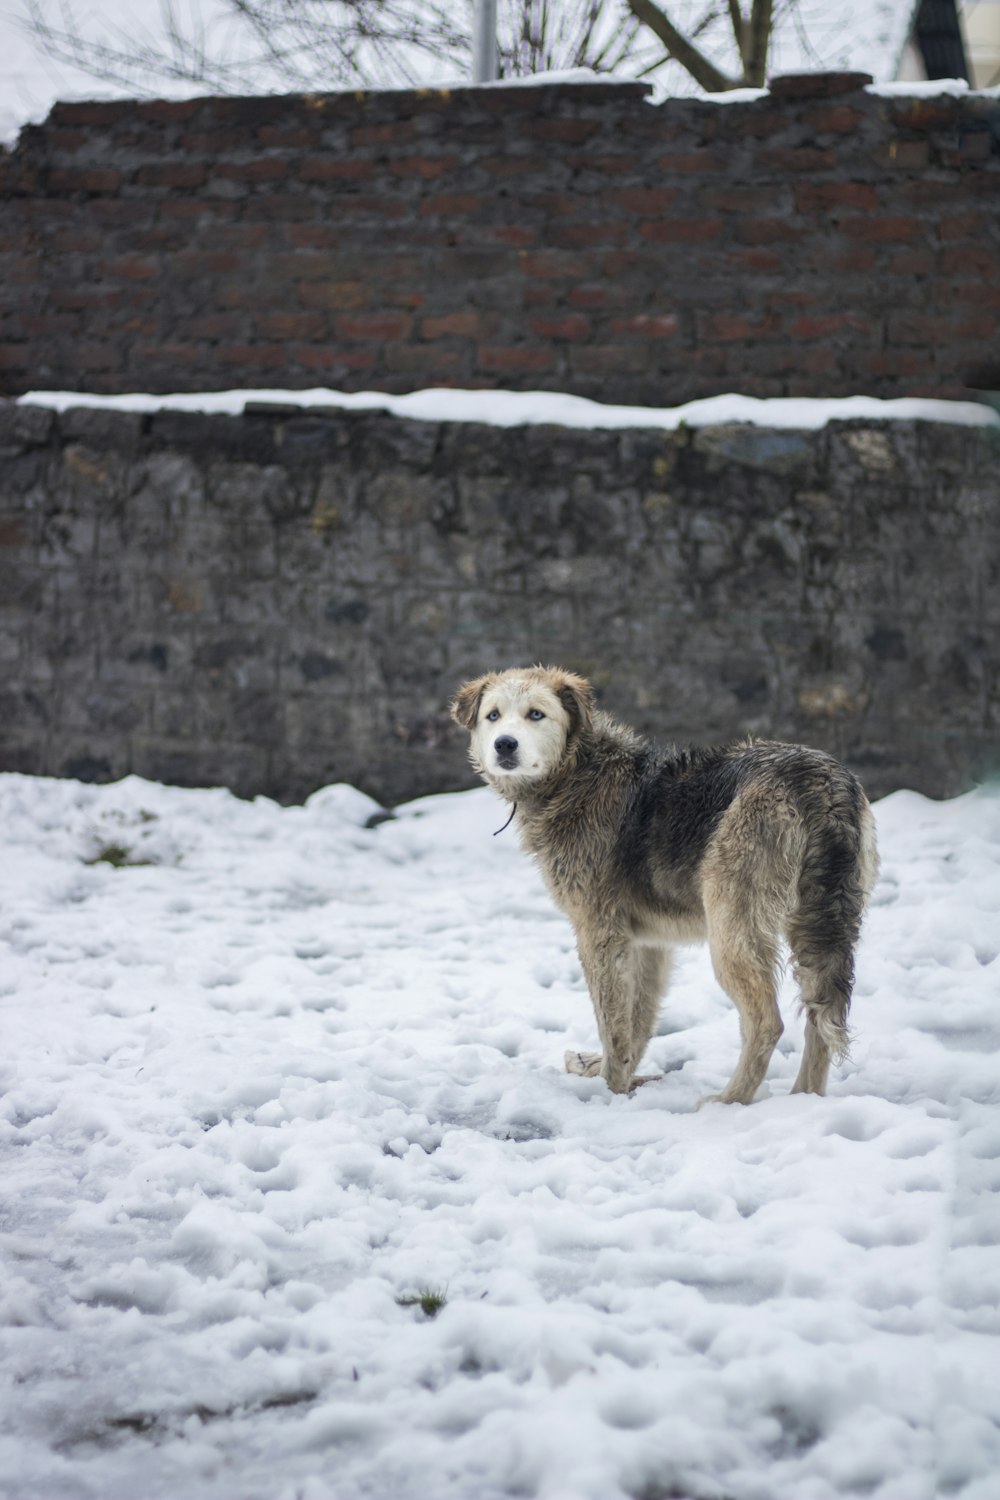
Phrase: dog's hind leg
(746, 965)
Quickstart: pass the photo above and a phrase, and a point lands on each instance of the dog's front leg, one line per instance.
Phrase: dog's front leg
(611, 971)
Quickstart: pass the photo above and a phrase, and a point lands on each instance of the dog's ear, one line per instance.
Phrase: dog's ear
(465, 704)
(576, 696)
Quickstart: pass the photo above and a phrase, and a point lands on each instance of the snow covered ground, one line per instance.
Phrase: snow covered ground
(280, 1074)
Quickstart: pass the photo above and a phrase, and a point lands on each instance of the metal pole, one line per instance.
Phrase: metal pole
(484, 41)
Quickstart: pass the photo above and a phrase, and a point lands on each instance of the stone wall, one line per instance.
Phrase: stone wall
(819, 240)
(283, 600)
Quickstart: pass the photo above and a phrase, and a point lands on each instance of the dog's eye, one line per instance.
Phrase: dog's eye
(493, 715)
(535, 713)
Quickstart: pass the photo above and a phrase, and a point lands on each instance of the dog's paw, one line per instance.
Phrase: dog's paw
(583, 1064)
(641, 1078)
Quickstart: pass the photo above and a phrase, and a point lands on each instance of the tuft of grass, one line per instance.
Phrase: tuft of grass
(427, 1299)
(118, 855)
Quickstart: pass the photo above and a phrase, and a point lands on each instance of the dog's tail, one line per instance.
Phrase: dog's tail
(838, 871)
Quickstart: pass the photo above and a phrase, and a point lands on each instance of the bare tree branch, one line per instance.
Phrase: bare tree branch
(759, 37)
(701, 68)
(327, 44)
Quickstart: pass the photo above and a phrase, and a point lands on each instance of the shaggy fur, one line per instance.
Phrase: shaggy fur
(742, 846)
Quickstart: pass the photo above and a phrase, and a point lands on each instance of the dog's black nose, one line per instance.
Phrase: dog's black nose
(505, 745)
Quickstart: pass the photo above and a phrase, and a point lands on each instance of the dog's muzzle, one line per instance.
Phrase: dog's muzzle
(505, 747)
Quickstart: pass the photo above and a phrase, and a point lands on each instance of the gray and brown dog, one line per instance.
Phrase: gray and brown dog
(644, 849)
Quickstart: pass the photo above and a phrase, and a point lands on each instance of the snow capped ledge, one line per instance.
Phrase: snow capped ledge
(538, 408)
(956, 88)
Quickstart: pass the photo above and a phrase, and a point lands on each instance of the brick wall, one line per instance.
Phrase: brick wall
(819, 240)
(287, 599)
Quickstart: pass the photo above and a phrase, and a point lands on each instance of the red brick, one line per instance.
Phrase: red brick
(191, 355)
(604, 359)
(910, 155)
(263, 169)
(460, 204)
(460, 324)
(730, 198)
(96, 356)
(977, 260)
(928, 330)
(302, 325)
(729, 328)
(588, 296)
(768, 231)
(612, 166)
(66, 140)
(685, 162)
(553, 265)
(215, 326)
(49, 324)
(858, 258)
(577, 236)
(647, 325)
(680, 231)
(401, 297)
(975, 145)
(206, 211)
(513, 166)
(241, 236)
(424, 167)
(319, 357)
(91, 113)
(834, 119)
(84, 299)
(333, 296)
(213, 143)
(173, 175)
(20, 268)
(503, 359)
(766, 261)
(280, 137)
(796, 159)
(812, 197)
(310, 236)
(85, 180)
(251, 356)
(195, 263)
(571, 326)
(912, 262)
(129, 268)
(335, 169)
(823, 326)
(167, 111)
(974, 291)
(970, 225)
(882, 230)
(894, 362)
(645, 201)
(924, 114)
(571, 132)
(381, 135)
(375, 325)
(514, 234)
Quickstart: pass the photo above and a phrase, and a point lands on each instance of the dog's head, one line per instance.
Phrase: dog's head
(521, 723)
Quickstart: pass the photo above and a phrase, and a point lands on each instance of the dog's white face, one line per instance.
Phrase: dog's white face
(520, 722)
